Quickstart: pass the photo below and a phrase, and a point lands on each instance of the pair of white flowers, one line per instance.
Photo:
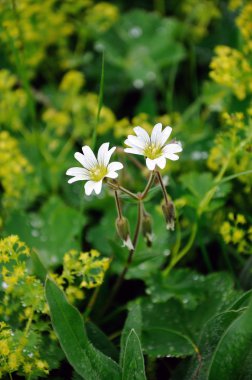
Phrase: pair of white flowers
(153, 147)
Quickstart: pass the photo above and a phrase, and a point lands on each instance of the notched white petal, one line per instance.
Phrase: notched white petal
(112, 175)
(89, 187)
(150, 164)
(102, 152)
(139, 131)
(165, 135)
(116, 165)
(76, 178)
(98, 187)
(156, 135)
(134, 151)
(161, 161)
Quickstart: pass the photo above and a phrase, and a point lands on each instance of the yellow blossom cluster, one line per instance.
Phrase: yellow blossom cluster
(237, 231)
(14, 169)
(199, 14)
(244, 23)
(81, 270)
(77, 110)
(227, 141)
(22, 302)
(230, 68)
(101, 16)
(32, 29)
(17, 355)
(13, 101)
(125, 126)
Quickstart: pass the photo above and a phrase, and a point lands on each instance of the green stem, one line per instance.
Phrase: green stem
(116, 186)
(162, 187)
(91, 303)
(184, 251)
(149, 184)
(118, 205)
(129, 259)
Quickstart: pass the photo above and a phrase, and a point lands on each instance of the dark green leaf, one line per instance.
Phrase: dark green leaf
(69, 327)
(133, 361)
(231, 354)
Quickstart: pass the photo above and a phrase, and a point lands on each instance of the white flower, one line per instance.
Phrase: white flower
(94, 170)
(153, 147)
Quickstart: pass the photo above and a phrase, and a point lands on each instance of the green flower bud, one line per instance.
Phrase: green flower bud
(122, 227)
(147, 229)
(169, 214)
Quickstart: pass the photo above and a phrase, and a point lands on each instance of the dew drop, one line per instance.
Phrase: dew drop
(135, 32)
(138, 84)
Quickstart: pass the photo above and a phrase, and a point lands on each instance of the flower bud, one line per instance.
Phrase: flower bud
(147, 229)
(122, 227)
(169, 214)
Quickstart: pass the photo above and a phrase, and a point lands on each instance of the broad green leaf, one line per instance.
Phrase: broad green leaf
(68, 324)
(101, 341)
(138, 43)
(52, 231)
(209, 339)
(182, 284)
(133, 321)
(162, 342)
(133, 361)
(180, 324)
(233, 349)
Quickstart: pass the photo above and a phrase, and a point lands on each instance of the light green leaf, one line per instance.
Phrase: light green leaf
(133, 321)
(52, 231)
(232, 350)
(133, 361)
(68, 324)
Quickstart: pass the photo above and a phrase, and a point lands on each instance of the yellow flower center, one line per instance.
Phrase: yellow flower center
(152, 151)
(98, 172)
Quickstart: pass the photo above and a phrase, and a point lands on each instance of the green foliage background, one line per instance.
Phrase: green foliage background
(184, 309)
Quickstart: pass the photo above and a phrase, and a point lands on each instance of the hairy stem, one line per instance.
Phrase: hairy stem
(118, 205)
(162, 187)
(129, 259)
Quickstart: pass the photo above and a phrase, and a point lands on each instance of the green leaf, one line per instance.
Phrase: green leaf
(100, 341)
(133, 361)
(172, 329)
(209, 339)
(133, 321)
(52, 232)
(162, 342)
(69, 327)
(233, 349)
(185, 285)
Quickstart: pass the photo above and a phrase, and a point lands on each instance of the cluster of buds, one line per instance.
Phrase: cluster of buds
(94, 170)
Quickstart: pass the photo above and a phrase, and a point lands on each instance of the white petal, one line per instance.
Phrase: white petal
(98, 187)
(115, 166)
(165, 134)
(77, 178)
(171, 156)
(112, 175)
(156, 135)
(150, 164)
(134, 151)
(89, 187)
(161, 161)
(89, 158)
(87, 161)
(102, 152)
(77, 172)
(172, 148)
(108, 155)
(135, 141)
(143, 134)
